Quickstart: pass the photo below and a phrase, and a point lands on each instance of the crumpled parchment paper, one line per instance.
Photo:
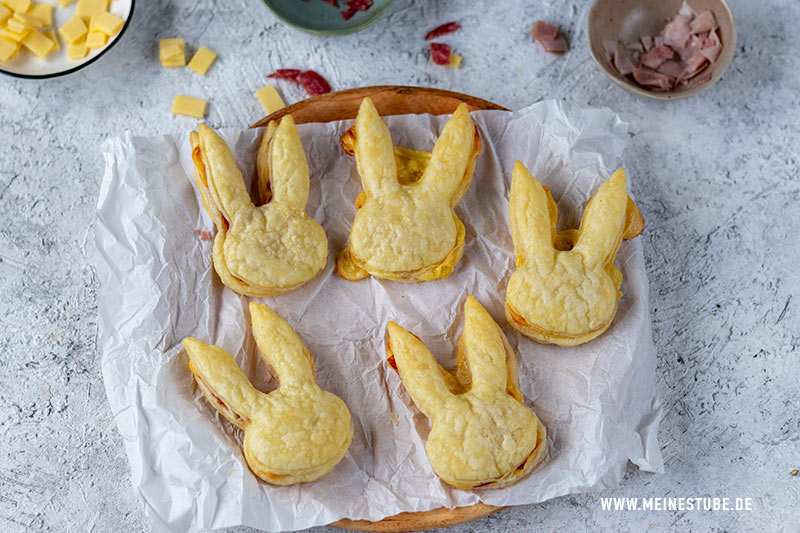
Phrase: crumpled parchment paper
(157, 286)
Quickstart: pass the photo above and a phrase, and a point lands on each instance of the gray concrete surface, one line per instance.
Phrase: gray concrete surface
(716, 177)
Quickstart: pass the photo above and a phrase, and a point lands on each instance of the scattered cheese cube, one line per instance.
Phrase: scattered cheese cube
(11, 35)
(455, 61)
(202, 60)
(50, 34)
(8, 49)
(27, 20)
(37, 43)
(96, 39)
(73, 30)
(5, 13)
(170, 48)
(20, 6)
(65, 3)
(270, 99)
(108, 23)
(43, 13)
(188, 106)
(91, 8)
(78, 49)
(17, 26)
(174, 63)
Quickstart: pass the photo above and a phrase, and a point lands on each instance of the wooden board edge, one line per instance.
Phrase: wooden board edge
(388, 99)
(421, 521)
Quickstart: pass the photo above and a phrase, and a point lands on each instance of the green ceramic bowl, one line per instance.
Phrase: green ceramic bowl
(316, 16)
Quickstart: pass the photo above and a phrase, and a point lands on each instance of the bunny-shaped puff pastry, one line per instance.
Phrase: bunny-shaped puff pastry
(297, 432)
(406, 230)
(566, 287)
(266, 250)
(482, 434)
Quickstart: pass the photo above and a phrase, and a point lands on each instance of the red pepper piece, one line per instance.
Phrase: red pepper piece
(286, 74)
(354, 6)
(348, 13)
(440, 53)
(444, 29)
(313, 83)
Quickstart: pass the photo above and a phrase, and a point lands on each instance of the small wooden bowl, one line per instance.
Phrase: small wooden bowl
(629, 20)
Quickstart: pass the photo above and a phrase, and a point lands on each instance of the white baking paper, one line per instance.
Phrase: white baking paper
(157, 286)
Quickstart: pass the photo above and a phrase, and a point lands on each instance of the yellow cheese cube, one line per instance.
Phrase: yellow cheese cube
(27, 20)
(65, 3)
(78, 49)
(50, 34)
(174, 63)
(8, 49)
(188, 106)
(108, 23)
(91, 8)
(20, 6)
(202, 60)
(270, 99)
(455, 61)
(172, 51)
(37, 43)
(11, 35)
(170, 48)
(73, 30)
(96, 39)
(43, 13)
(5, 13)
(17, 26)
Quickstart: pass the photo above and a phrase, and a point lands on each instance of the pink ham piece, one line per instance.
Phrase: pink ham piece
(549, 37)
(622, 61)
(693, 66)
(677, 33)
(673, 69)
(703, 22)
(652, 79)
(656, 56)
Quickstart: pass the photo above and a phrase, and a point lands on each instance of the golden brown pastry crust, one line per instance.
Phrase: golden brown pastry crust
(405, 228)
(297, 432)
(273, 248)
(482, 435)
(566, 287)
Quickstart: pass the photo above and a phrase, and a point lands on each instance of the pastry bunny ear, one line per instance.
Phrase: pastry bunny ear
(603, 221)
(225, 182)
(452, 157)
(262, 163)
(419, 370)
(529, 210)
(280, 347)
(374, 152)
(222, 381)
(484, 349)
(287, 168)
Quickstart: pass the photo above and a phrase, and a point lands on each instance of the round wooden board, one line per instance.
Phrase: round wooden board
(391, 100)
(388, 99)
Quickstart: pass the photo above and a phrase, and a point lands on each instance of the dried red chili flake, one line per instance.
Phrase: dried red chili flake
(204, 235)
(286, 74)
(444, 29)
(440, 53)
(354, 6)
(313, 83)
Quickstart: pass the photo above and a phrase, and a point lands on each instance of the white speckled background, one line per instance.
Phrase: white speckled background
(716, 177)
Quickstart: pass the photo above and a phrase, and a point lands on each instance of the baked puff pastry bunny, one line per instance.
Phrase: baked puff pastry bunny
(566, 287)
(273, 248)
(482, 435)
(297, 432)
(405, 228)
